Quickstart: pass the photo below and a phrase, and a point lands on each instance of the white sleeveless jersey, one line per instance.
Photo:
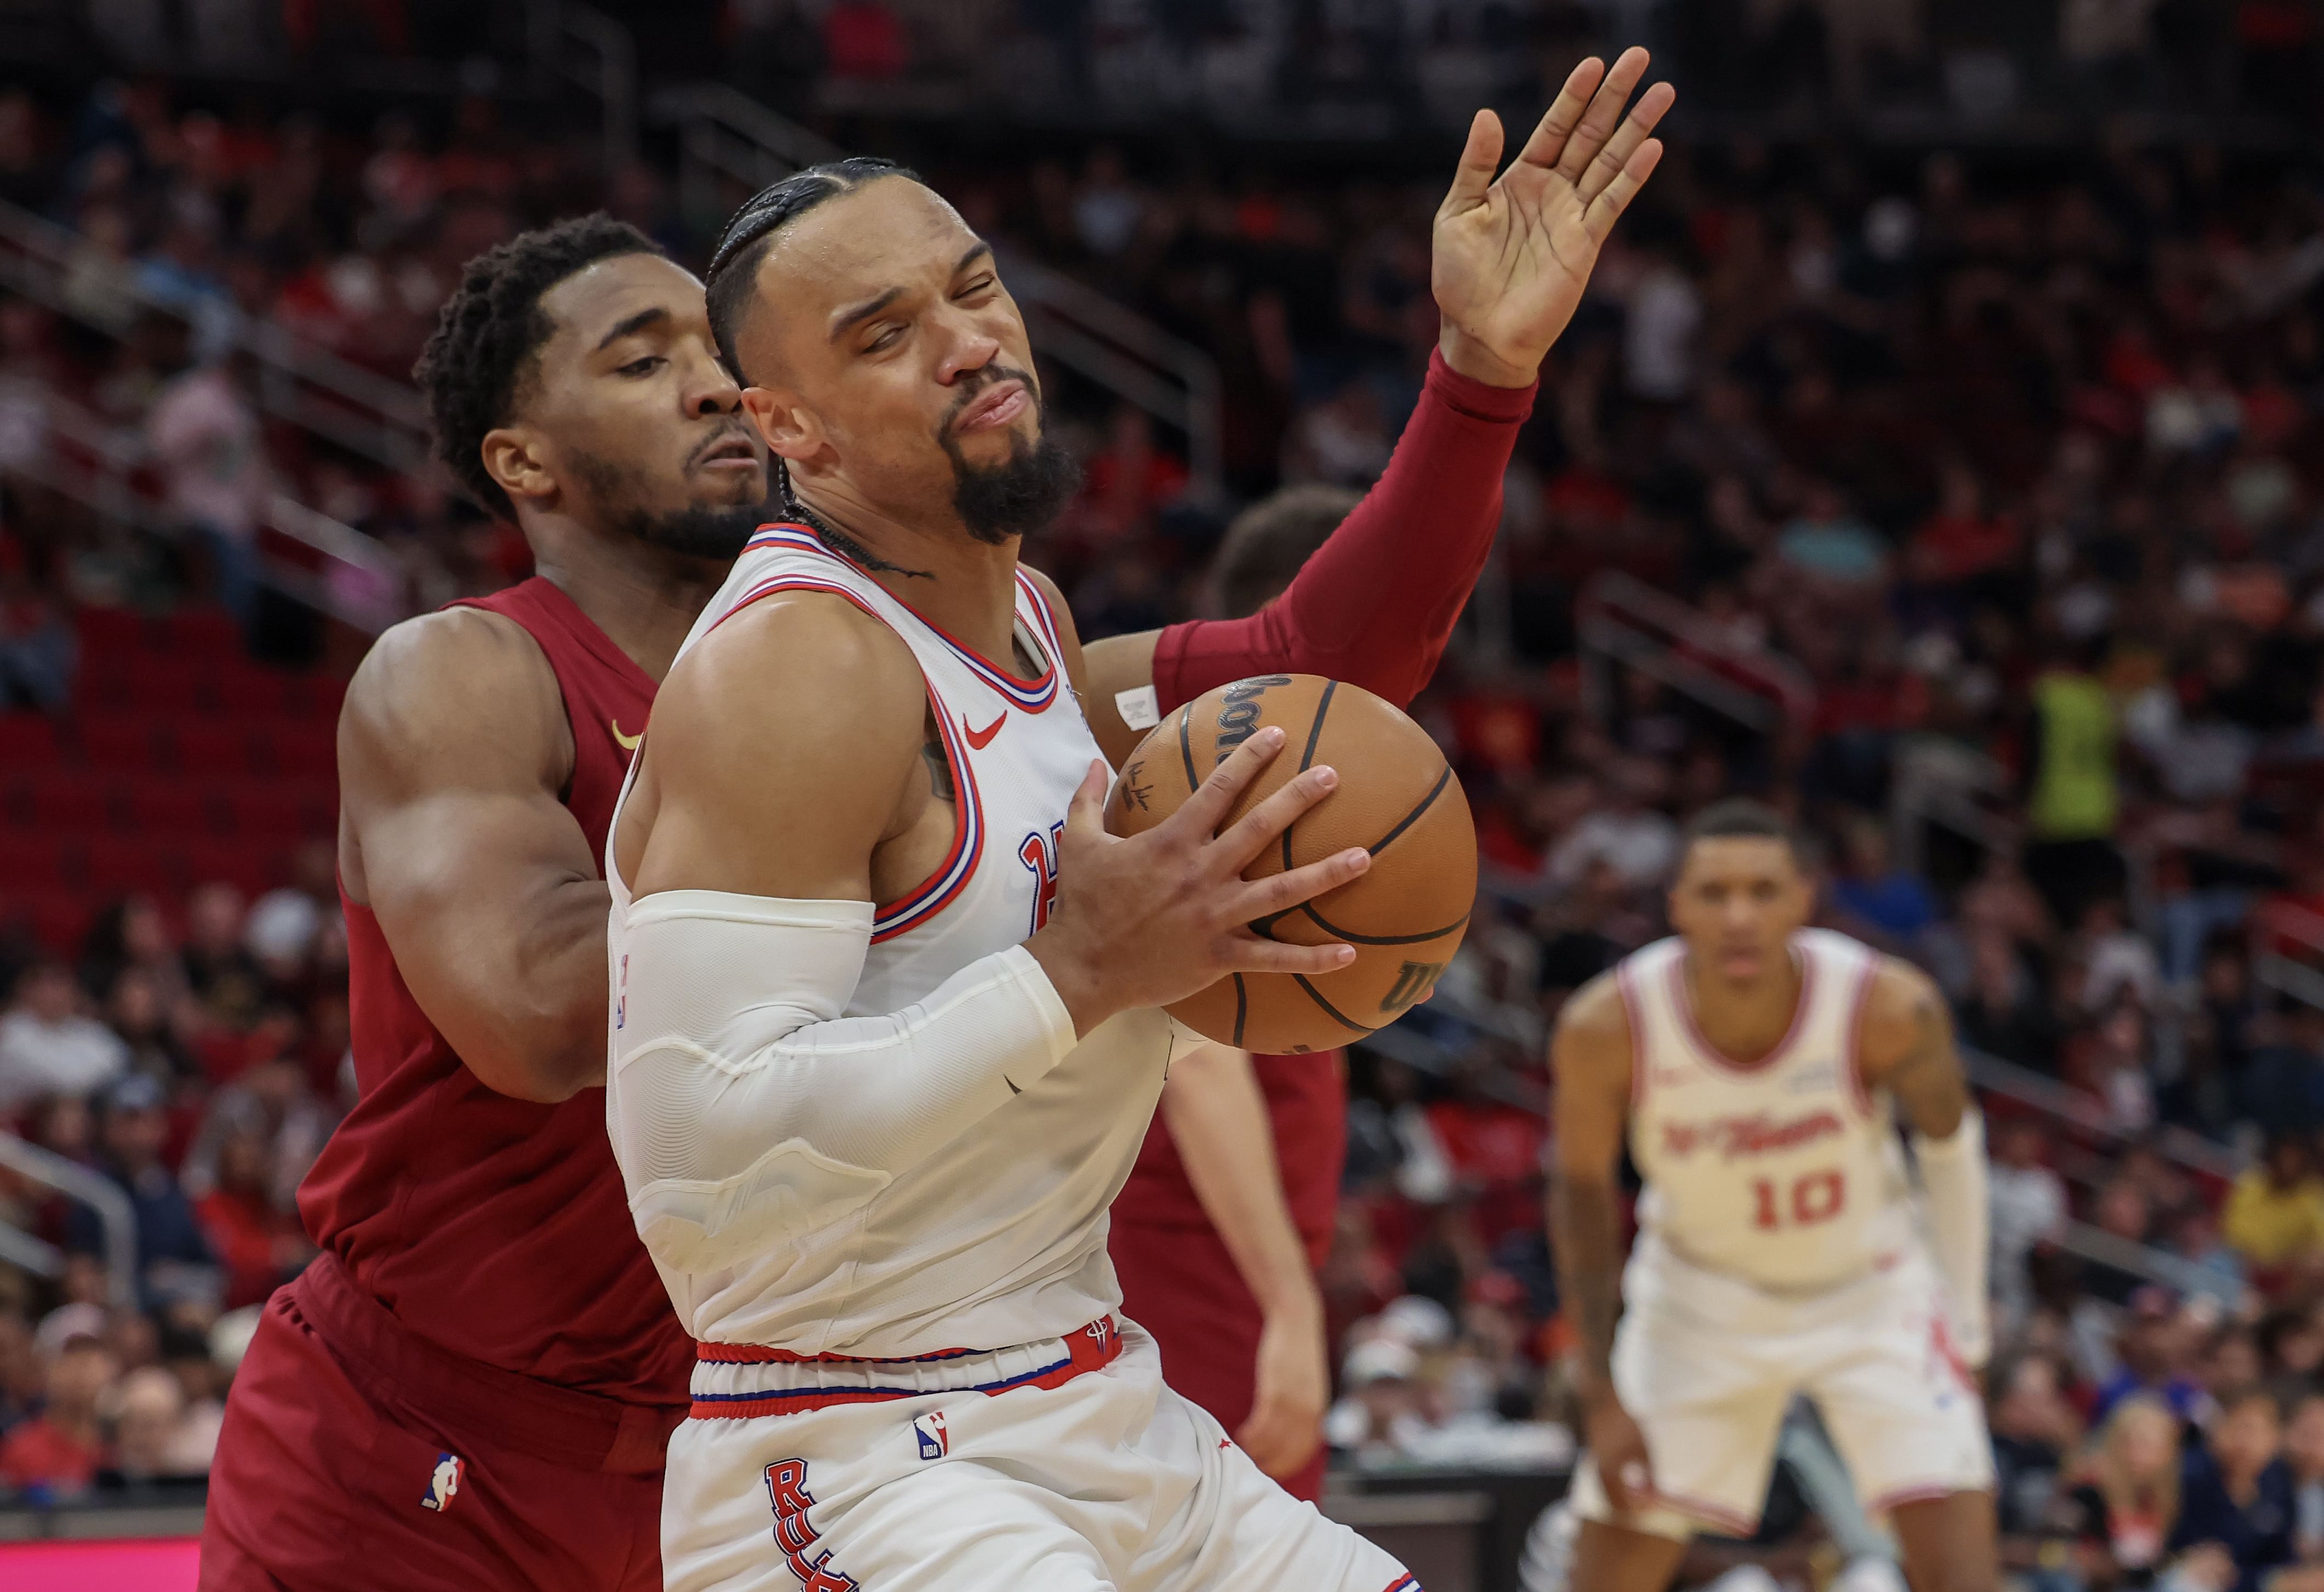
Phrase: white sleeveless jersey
(999, 1238)
(1783, 1174)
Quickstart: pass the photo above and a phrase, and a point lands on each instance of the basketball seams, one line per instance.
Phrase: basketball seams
(1186, 746)
(1242, 1009)
(1352, 938)
(1330, 1010)
(1413, 817)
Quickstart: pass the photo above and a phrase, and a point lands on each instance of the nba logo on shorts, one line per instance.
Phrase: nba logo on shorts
(935, 1442)
(444, 1483)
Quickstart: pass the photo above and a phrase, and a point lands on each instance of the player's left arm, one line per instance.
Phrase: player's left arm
(1510, 258)
(1218, 1118)
(1905, 1044)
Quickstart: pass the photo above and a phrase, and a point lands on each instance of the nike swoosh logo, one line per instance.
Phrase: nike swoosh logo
(979, 739)
(627, 743)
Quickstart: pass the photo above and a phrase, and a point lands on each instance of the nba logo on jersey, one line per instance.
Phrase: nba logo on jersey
(444, 1483)
(935, 1442)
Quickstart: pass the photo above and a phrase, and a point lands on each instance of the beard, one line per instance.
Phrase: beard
(1022, 492)
(698, 531)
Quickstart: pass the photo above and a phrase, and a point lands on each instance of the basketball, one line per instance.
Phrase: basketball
(1398, 798)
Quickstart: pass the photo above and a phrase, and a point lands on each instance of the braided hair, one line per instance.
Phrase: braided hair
(490, 330)
(732, 281)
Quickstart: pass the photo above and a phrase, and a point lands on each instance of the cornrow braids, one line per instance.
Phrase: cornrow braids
(734, 263)
(490, 330)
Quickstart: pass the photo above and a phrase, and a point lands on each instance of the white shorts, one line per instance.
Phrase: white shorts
(1057, 1466)
(1706, 1370)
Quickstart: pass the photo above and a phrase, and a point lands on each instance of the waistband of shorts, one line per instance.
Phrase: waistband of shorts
(399, 1369)
(748, 1381)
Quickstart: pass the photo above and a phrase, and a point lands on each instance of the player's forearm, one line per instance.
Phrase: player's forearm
(1377, 603)
(519, 998)
(729, 1040)
(1587, 1224)
(1218, 1118)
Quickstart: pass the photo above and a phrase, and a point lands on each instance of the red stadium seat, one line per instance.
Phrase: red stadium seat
(31, 862)
(120, 864)
(65, 800)
(169, 806)
(26, 738)
(250, 866)
(109, 635)
(122, 743)
(194, 633)
(307, 752)
(56, 919)
(212, 749)
(282, 808)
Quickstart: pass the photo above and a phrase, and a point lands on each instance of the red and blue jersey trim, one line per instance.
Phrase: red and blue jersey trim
(1091, 1348)
(1033, 696)
(941, 888)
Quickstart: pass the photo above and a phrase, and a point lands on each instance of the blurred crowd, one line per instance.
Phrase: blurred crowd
(194, 1059)
(1988, 494)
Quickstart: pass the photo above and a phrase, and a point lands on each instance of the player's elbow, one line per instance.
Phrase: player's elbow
(539, 1063)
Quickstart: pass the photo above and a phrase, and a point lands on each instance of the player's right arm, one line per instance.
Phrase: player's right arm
(1591, 1060)
(453, 746)
(785, 752)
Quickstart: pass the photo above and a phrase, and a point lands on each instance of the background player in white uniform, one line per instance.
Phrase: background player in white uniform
(1757, 1065)
(883, 1037)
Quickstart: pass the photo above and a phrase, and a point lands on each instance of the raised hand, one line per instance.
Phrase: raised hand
(1512, 255)
(1149, 920)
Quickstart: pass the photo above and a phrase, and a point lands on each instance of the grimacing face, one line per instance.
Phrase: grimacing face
(887, 363)
(1737, 900)
(629, 419)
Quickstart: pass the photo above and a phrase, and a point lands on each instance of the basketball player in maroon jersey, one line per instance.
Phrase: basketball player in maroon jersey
(472, 1386)
(1228, 1213)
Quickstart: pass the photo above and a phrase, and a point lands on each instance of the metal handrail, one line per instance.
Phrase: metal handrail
(101, 1194)
(300, 380)
(2190, 1151)
(611, 73)
(1624, 620)
(2304, 980)
(2141, 1260)
(109, 490)
(723, 133)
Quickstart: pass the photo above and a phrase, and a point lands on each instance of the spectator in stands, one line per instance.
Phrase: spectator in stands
(2150, 1355)
(2304, 1453)
(256, 1238)
(2126, 1500)
(57, 1452)
(218, 968)
(48, 1047)
(1874, 900)
(2075, 790)
(2034, 1429)
(2027, 1201)
(174, 1259)
(38, 654)
(150, 1432)
(204, 430)
(2236, 1501)
(2274, 1217)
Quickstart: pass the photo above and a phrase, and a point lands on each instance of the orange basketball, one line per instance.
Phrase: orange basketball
(1396, 797)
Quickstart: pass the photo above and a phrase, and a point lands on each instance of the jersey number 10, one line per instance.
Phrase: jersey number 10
(1816, 1197)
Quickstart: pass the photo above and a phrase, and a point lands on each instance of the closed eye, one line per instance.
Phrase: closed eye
(638, 367)
(982, 284)
(886, 339)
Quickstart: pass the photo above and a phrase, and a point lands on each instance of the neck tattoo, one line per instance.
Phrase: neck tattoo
(846, 546)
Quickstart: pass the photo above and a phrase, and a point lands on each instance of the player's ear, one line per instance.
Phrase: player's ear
(790, 428)
(515, 458)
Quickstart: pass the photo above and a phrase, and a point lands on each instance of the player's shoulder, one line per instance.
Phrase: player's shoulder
(797, 660)
(1596, 1018)
(1055, 598)
(1902, 1009)
(450, 675)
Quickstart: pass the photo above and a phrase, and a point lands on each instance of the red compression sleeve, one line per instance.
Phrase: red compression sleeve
(1375, 604)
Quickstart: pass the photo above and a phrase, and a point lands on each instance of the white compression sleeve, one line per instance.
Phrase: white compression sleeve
(1952, 1171)
(743, 1107)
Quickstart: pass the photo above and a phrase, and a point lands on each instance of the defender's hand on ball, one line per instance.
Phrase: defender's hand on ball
(1152, 919)
(1511, 255)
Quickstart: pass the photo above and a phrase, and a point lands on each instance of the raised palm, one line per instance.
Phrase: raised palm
(1513, 254)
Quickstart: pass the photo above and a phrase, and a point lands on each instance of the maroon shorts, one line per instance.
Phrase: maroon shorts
(357, 1458)
(1181, 1285)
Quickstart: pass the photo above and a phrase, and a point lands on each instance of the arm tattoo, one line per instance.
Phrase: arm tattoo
(1590, 1268)
(1927, 1078)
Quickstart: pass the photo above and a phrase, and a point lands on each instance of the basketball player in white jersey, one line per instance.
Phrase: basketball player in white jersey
(884, 1037)
(1756, 1068)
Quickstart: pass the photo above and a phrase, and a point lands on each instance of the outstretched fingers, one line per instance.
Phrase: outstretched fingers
(1607, 209)
(1564, 115)
(1604, 114)
(1481, 156)
(1615, 158)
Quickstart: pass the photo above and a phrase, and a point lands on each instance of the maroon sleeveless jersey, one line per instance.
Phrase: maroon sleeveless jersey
(498, 1228)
